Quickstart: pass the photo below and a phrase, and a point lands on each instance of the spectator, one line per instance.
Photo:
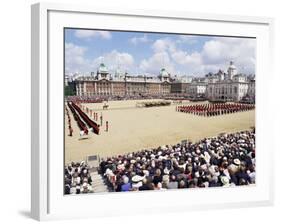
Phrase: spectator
(226, 160)
(77, 179)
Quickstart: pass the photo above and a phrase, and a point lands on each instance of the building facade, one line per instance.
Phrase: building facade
(222, 86)
(230, 86)
(103, 84)
(197, 89)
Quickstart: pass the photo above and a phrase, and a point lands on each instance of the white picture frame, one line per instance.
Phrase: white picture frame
(48, 201)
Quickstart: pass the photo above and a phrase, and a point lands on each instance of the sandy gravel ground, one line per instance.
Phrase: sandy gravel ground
(132, 129)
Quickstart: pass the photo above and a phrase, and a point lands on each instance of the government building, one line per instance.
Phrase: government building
(102, 83)
(221, 86)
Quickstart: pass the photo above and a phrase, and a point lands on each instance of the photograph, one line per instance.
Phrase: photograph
(157, 111)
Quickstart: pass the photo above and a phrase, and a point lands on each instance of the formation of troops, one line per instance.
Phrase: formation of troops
(209, 109)
(69, 122)
(86, 124)
(83, 121)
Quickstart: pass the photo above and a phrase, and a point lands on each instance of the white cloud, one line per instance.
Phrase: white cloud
(88, 34)
(186, 39)
(115, 59)
(218, 51)
(157, 61)
(170, 54)
(137, 40)
(75, 61)
(192, 63)
(215, 54)
(183, 58)
(162, 45)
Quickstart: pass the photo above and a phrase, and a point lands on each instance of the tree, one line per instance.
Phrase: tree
(69, 91)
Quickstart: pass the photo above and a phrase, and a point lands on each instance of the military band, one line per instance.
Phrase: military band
(209, 110)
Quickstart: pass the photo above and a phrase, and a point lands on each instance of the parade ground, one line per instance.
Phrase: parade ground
(132, 128)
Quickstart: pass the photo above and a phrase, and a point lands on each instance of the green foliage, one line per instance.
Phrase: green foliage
(69, 91)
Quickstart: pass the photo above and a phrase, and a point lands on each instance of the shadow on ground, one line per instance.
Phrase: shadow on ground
(25, 213)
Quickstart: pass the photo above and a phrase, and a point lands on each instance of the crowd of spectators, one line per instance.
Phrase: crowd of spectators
(85, 99)
(222, 161)
(77, 179)
(100, 99)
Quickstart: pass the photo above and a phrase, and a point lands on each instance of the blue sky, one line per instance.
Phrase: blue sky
(139, 52)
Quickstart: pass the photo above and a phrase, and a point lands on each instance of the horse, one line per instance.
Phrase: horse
(105, 106)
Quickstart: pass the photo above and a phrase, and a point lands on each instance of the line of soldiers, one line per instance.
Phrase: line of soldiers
(93, 125)
(209, 110)
(96, 117)
(82, 126)
(93, 114)
(83, 121)
(69, 122)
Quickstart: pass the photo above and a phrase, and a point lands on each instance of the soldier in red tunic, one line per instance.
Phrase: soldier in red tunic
(101, 119)
(106, 126)
(70, 131)
(86, 131)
